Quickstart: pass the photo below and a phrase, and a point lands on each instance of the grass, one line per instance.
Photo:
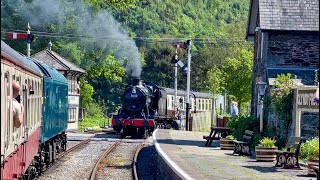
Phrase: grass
(92, 122)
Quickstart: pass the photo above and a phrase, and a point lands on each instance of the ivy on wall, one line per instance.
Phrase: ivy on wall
(281, 102)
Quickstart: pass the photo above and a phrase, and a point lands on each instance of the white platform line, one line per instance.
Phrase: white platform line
(167, 159)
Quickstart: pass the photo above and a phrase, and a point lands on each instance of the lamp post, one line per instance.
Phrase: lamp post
(188, 82)
(262, 88)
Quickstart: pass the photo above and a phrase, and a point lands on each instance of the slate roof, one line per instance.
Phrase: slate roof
(54, 60)
(294, 15)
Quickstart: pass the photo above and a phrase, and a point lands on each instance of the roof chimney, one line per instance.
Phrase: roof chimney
(49, 46)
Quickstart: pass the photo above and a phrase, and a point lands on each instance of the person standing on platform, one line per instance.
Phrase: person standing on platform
(234, 110)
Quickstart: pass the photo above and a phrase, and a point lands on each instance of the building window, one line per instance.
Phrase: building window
(72, 115)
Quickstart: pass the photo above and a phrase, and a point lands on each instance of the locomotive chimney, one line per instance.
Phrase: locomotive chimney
(136, 81)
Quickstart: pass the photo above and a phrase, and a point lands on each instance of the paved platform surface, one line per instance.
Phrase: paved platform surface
(187, 150)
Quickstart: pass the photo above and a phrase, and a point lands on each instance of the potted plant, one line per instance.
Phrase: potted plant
(227, 143)
(266, 150)
(310, 152)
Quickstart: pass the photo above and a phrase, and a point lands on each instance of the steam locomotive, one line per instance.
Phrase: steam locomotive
(140, 104)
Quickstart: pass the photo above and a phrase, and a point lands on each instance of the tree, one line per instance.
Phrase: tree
(107, 78)
(237, 73)
(86, 93)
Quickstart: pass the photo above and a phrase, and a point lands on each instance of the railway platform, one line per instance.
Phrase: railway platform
(186, 153)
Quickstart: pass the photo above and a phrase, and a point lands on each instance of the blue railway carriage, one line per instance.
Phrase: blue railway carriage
(55, 113)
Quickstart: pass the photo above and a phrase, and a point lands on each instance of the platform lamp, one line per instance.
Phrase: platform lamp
(262, 89)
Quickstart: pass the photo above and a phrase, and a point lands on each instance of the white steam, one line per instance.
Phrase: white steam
(100, 25)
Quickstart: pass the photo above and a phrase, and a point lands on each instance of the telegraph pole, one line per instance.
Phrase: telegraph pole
(176, 79)
(188, 83)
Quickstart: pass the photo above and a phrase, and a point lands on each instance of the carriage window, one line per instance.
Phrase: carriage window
(32, 105)
(172, 101)
(7, 105)
(207, 104)
(18, 80)
(202, 106)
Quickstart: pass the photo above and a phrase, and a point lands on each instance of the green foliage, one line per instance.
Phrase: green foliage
(242, 123)
(267, 142)
(117, 4)
(86, 93)
(237, 73)
(92, 122)
(271, 131)
(94, 110)
(282, 99)
(230, 137)
(107, 80)
(310, 149)
(215, 80)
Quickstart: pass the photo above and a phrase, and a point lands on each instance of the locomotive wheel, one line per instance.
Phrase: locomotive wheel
(30, 173)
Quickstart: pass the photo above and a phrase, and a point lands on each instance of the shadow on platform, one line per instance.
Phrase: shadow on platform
(198, 143)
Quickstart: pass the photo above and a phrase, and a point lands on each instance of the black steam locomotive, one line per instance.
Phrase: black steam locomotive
(141, 102)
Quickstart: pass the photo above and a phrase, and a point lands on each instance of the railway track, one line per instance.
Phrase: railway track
(73, 148)
(119, 160)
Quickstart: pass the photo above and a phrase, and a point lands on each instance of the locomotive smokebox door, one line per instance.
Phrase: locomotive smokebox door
(136, 81)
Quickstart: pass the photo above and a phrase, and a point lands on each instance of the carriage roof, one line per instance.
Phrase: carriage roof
(51, 72)
(183, 93)
(18, 59)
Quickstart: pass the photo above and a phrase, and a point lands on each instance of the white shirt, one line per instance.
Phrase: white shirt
(16, 108)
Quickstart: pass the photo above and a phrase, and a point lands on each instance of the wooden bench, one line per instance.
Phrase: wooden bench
(316, 170)
(289, 158)
(243, 147)
(223, 131)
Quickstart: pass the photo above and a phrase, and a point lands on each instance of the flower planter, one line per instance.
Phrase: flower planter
(312, 162)
(226, 144)
(266, 153)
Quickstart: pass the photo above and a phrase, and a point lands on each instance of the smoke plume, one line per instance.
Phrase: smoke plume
(90, 23)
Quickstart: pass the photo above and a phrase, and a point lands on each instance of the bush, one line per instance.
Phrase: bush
(92, 122)
(240, 124)
(267, 142)
(271, 131)
(94, 110)
(310, 149)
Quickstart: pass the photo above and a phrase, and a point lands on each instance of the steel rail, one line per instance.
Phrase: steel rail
(135, 160)
(105, 154)
(73, 148)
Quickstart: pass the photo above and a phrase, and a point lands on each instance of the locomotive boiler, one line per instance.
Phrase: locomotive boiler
(140, 102)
